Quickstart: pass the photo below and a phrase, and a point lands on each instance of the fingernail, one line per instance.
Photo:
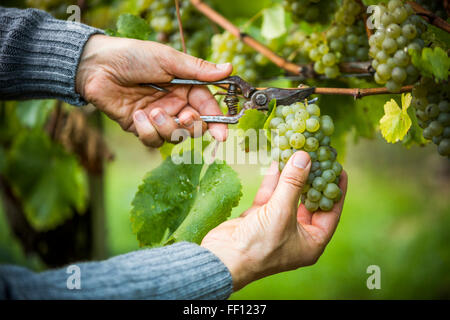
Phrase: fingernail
(158, 117)
(140, 116)
(223, 66)
(301, 160)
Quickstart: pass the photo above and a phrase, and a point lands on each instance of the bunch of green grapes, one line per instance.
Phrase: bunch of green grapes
(246, 62)
(301, 127)
(397, 31)
(344, 41)
(349, 41)
(431, 102)
(347, 36)
(310, 10)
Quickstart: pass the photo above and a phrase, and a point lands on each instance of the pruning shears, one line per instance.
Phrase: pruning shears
(255, 98)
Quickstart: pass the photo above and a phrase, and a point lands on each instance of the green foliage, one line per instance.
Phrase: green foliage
(432, 62)
(396, 122)
(173, 204)
(34, 113)
(273, 25)
(437, 37)
(252, 119)
(219, 192)
(131, 26)
(47, 179)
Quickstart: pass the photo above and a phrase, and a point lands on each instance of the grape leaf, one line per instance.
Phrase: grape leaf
(252, 119)
(396, 122)
(33, 113)
(50, 182)
(131, 26)
(163, 201)
(432, 62)
(273, 25)
(219, 192)
(173, 205)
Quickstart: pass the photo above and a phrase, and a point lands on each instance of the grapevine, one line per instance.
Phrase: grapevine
(245, 60)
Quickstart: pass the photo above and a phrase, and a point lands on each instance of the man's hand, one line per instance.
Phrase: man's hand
(111, 70)
(275, 234)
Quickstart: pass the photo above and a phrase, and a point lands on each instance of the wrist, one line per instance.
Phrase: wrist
(236, 263)
(88, 63)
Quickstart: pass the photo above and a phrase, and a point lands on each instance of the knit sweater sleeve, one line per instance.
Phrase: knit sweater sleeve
(39, 55)
(180, 271)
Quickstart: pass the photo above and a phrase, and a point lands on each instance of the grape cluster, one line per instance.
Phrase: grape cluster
(310, 10)
(301, 127)
(431, 102)
(347, 35)
(344, 41)
(246, 62)
(397, 31)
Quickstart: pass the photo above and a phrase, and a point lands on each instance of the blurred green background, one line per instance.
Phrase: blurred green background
(396, 216)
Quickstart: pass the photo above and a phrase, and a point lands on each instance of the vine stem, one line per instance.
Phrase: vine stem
(180, 25)
(358, 93)
(306, 70)
(432, 18)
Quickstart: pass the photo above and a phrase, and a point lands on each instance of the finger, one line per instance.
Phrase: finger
(165, 125)
(145, 130)
(268, 185)
(184, 66)
(328, 221)
(190, 119)
(303, 215)
(173, 102)
(202, 100)
(291, 182)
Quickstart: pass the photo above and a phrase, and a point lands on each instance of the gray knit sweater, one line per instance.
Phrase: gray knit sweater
(39, 57)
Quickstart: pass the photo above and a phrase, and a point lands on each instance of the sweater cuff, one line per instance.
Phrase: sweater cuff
(44, 54)
(180, 271)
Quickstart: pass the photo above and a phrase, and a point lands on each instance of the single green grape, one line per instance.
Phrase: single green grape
(312, 125)
(329, 175)
(314, 195)
(311, 144)
(326, 204)
(297, 140)
(331, 191)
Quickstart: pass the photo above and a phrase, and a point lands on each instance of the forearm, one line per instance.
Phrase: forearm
(39, 55)
(179, 271)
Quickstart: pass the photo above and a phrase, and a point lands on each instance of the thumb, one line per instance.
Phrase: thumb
(185, 66)
(292, 180)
